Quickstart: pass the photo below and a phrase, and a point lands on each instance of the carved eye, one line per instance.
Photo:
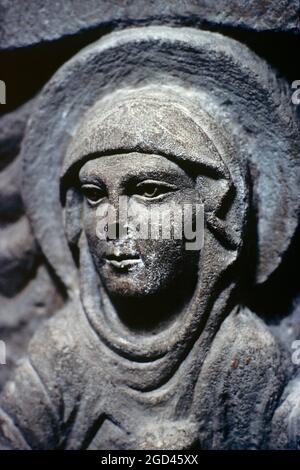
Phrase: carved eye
(92, 193)
(152, 190)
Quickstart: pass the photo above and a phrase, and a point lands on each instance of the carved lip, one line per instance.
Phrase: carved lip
(123, 261)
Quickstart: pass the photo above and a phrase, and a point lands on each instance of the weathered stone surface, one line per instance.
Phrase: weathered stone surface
(155, 346)
(27, 294)
(49, 20)
(228, 75)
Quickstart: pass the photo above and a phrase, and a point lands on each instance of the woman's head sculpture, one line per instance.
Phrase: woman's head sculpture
(186, 141)
(151, 146)
(156, 346)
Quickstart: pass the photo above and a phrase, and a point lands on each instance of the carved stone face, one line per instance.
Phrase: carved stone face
(133, 263)
(147, 297)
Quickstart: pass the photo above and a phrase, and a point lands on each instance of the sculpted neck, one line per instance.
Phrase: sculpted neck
(146, 362)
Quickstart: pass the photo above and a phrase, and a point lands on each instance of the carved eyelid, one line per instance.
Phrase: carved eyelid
(95, 187)
(157, 183)
(91, 185)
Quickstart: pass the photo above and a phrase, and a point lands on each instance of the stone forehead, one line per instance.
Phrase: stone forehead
(144, 121)
(130, 161)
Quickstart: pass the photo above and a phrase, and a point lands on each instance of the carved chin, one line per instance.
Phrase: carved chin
(175, 322)
(132, 279)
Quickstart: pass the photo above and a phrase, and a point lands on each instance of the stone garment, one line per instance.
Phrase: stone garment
(69, 394)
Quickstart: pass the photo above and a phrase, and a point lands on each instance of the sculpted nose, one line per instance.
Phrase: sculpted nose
(115, 231)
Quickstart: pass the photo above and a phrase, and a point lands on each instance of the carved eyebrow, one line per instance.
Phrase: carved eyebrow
(95, 177)
(153, 174)
(90, 177)
(143, 171)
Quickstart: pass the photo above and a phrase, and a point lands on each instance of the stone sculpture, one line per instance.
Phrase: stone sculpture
(156, 346)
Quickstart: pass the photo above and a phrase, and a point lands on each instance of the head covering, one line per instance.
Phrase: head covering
(165, 122)
(180, 93)
(238, 89)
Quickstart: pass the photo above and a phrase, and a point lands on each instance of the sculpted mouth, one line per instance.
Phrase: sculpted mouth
(123, 261)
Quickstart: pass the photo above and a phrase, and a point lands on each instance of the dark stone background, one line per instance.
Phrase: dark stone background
(35, 40)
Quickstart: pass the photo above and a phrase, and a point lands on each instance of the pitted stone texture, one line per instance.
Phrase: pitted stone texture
(27, 293)
(49, 20)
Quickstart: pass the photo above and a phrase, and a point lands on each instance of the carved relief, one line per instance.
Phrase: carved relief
(155, 346)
